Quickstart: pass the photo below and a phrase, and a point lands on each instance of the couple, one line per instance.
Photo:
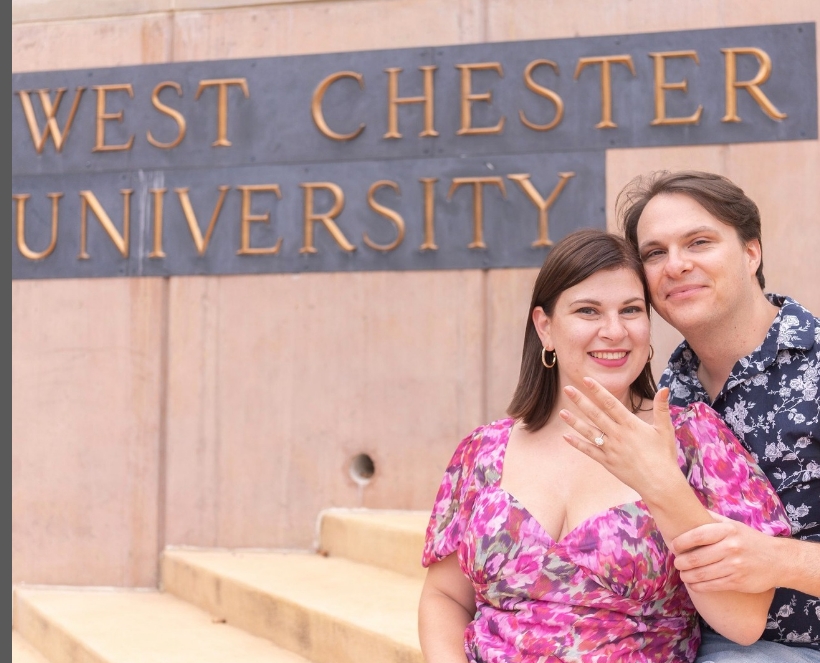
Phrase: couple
(553, 532)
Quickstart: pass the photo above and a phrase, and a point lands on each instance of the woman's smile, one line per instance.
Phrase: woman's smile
(599, 328)
(610, 358)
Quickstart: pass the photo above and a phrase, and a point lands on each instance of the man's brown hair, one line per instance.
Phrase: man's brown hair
(718, 195)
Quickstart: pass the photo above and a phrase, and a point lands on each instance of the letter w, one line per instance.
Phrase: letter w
(52, 128)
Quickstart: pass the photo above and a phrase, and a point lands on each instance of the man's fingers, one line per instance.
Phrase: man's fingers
(698, 558)
(704, 535)
(709, 575)
(722, 584)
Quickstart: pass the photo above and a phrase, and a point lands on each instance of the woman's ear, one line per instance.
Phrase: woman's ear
(542, 324)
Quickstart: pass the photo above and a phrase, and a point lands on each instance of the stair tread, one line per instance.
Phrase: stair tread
(413, 522)
(127, 626)
(24, 652)
(368, 597)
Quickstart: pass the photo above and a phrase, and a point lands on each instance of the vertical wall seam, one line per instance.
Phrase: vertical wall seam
(485, 344)
(217, 406)
(162, 451)
(172, 32)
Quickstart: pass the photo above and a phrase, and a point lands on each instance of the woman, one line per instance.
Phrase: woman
(535, 552)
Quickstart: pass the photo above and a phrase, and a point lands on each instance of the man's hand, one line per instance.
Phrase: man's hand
(728, 555)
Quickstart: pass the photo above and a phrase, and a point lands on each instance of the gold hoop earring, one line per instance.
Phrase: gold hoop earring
(544, 358)
(651, 353)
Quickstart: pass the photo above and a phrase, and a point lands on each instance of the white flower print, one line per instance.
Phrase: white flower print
(797, 512)
(798, 637)
(736, 418)
(789, 325)
(771, 402)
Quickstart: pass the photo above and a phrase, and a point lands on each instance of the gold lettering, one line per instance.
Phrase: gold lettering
(88, 199)
(171, 112)
(318, 97)
(393, 215)
(661, 86)
(245, 248)
(222, 85)
(752, 86)
(541, 205)
(200, 242)
(468, 97)
(429, 184)
(544, 92)
(103, 117)
(52, 128)
(393, 100)
(21, 226)
(326, 218)
(606, 83)
(478, 204)
(159, 195)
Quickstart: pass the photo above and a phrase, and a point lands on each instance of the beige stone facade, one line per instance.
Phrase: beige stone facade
(224, 410)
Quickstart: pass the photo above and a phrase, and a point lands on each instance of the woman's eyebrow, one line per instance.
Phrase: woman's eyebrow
(595, 302)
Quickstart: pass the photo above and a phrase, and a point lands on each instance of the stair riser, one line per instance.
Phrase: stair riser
(394, 550)
(315, 636)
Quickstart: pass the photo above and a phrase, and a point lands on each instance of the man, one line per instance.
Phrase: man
(755, 358)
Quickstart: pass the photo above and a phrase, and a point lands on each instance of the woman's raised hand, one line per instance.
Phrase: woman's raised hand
(640, 454)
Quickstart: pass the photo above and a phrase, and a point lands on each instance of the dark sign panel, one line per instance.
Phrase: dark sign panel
(476, 156)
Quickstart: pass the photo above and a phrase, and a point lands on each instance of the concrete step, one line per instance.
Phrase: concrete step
(392, 540)
(127, 626)
(23, 652)
(327, 609)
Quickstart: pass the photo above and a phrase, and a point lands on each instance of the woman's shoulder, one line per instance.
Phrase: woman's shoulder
(485, 445)
(494, 430)
(696, 412)
(699, 427)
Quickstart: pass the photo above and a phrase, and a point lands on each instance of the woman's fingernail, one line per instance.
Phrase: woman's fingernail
(588, 382)
(570, 391)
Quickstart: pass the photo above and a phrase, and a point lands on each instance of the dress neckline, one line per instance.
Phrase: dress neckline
(624, 506)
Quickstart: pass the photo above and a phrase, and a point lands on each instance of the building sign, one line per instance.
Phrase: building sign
(476, 156)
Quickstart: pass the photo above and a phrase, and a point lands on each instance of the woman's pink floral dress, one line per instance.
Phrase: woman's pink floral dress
(606, 592)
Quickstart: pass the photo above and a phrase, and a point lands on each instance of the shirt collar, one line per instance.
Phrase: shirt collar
(794, 328)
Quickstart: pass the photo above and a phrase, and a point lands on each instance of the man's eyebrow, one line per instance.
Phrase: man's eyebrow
(686, 235)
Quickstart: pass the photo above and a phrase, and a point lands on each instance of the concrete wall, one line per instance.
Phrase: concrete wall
(224, 411)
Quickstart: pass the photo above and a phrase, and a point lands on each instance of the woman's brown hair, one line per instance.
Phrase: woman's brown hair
(572, 260)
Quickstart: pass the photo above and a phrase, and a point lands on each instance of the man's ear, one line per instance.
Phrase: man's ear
(754, 254)
(543, 325)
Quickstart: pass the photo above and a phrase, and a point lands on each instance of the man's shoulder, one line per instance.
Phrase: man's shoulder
(680, 376)
(795, 327)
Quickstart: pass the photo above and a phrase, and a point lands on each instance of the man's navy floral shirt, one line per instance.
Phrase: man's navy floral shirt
(771, 402)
